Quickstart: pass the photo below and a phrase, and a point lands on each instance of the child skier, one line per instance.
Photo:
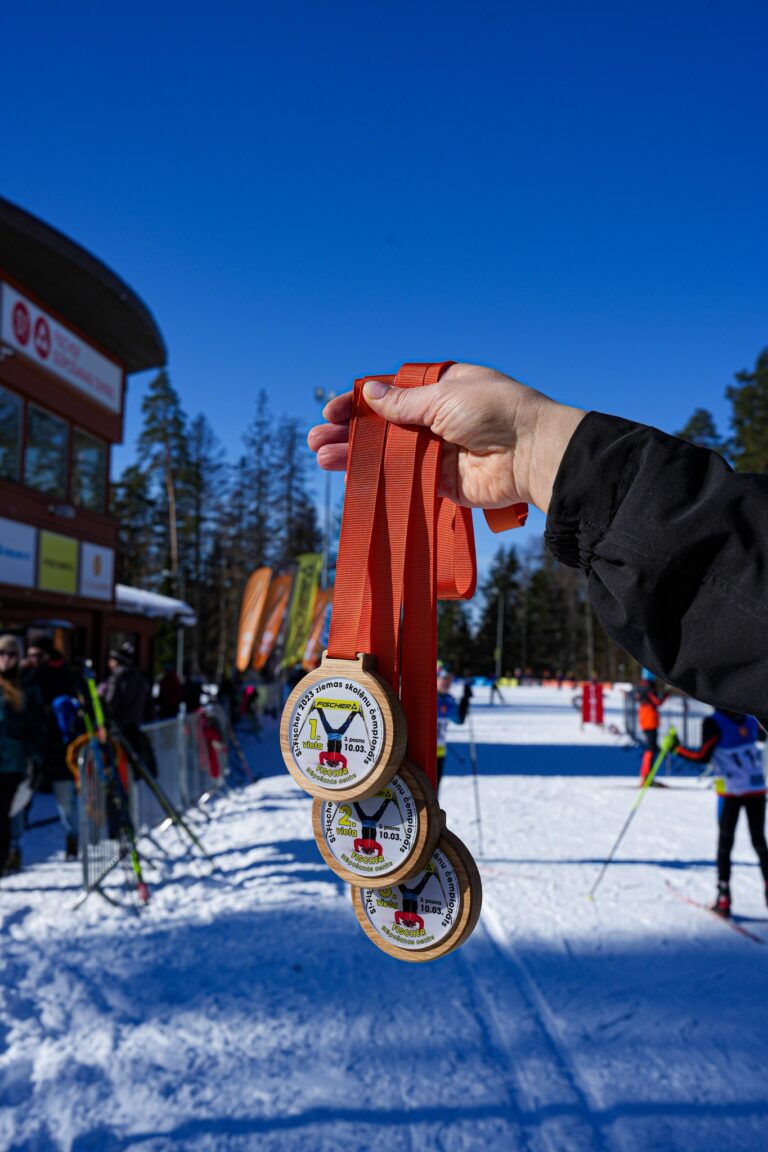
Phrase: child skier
(448, 709)
(729, 740)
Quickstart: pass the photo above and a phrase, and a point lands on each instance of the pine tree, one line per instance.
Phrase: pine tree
(135, 512)
(162, 445)
(499, 593)
(454, 637)
(257, 486)
(203, 494)
(749, 418)
(297, 528)
(702, 431)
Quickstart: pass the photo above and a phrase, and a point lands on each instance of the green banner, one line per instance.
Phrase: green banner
(302, 607)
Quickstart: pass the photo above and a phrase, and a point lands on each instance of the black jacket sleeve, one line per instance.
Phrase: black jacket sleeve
(674, 545)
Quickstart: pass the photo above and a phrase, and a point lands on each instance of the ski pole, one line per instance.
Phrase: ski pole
(667, 744)
(98, 739)
(169, 808)
(476, 786)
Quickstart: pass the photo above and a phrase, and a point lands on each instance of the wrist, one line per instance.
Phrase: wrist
(552, 426)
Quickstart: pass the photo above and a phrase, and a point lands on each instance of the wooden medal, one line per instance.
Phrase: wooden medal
(343, 731)
(384, 838)
(428, 915)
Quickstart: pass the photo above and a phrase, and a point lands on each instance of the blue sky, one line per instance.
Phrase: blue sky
(572, 192)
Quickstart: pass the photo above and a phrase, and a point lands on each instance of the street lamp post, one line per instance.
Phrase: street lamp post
(322, 397)
(178, 578)
(498, 653)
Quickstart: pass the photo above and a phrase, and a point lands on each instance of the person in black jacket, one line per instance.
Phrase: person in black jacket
(673, 543)
(19, 735)
(54, 678)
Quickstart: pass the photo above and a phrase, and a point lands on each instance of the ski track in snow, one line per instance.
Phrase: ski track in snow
(244, 1008)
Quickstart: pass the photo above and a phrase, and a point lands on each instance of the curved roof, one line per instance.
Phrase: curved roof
(80, 288)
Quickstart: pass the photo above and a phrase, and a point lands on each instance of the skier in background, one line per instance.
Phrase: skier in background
(729, 740)
(650, 698)
(448, 710)
(496, 691)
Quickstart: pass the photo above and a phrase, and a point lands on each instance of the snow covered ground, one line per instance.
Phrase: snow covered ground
(247, 1010)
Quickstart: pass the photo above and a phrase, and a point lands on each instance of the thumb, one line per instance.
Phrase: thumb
(401, 405)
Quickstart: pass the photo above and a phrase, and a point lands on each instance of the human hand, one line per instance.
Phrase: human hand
(502, 441)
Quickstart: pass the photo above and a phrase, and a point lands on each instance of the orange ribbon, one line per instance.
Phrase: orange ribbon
(401, 548)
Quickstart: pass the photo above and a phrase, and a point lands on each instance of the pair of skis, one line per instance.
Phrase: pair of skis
(730, 921)
(102, 750)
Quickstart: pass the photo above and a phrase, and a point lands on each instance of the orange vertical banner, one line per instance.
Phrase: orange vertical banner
(314, 647)
(251, 612)
(273, 617)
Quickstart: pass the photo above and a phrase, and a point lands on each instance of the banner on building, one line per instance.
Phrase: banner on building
(97, 572)
(36, 334)
(302, 607)
(251, 613)
(272, 619)
(17, 553)
(57, 563)
(318, 633)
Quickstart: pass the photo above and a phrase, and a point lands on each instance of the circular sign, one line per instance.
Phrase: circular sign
(384, 837)
(22, 325)
(431, 913)
(42, 338)
(342, 732)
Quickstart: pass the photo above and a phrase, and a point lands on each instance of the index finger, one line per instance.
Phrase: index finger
(339, 409)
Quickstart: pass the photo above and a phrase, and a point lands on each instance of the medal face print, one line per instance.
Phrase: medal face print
(342, 732)
(383, 837)
(429, 914)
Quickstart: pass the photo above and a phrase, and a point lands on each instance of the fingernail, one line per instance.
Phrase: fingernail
(375, 389)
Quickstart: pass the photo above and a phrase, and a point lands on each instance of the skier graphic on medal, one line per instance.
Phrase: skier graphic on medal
(334, 731)
(408, 915)
(366, 843)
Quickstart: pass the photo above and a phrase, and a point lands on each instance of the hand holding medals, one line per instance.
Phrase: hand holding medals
(346, 726)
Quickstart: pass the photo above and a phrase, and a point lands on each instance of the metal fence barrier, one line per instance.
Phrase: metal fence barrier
(191, 765)
(681, 712)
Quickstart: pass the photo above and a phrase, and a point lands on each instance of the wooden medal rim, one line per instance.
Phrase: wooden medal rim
(430, 825)
(361, 670)
(471, 900)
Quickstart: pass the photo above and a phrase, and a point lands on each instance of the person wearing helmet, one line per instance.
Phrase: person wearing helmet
(649, 698)
(729, 741)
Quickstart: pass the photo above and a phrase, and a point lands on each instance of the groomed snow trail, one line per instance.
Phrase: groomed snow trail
(246, 1010)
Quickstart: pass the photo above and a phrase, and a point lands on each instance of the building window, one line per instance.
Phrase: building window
(10, 434)
(89, 471)
(45, 455)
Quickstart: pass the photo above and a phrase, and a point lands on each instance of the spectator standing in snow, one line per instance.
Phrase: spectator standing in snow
(729, 740)
(127, 695)
(169, 694)
(54, 678)
(650, 698)
(19, 730)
